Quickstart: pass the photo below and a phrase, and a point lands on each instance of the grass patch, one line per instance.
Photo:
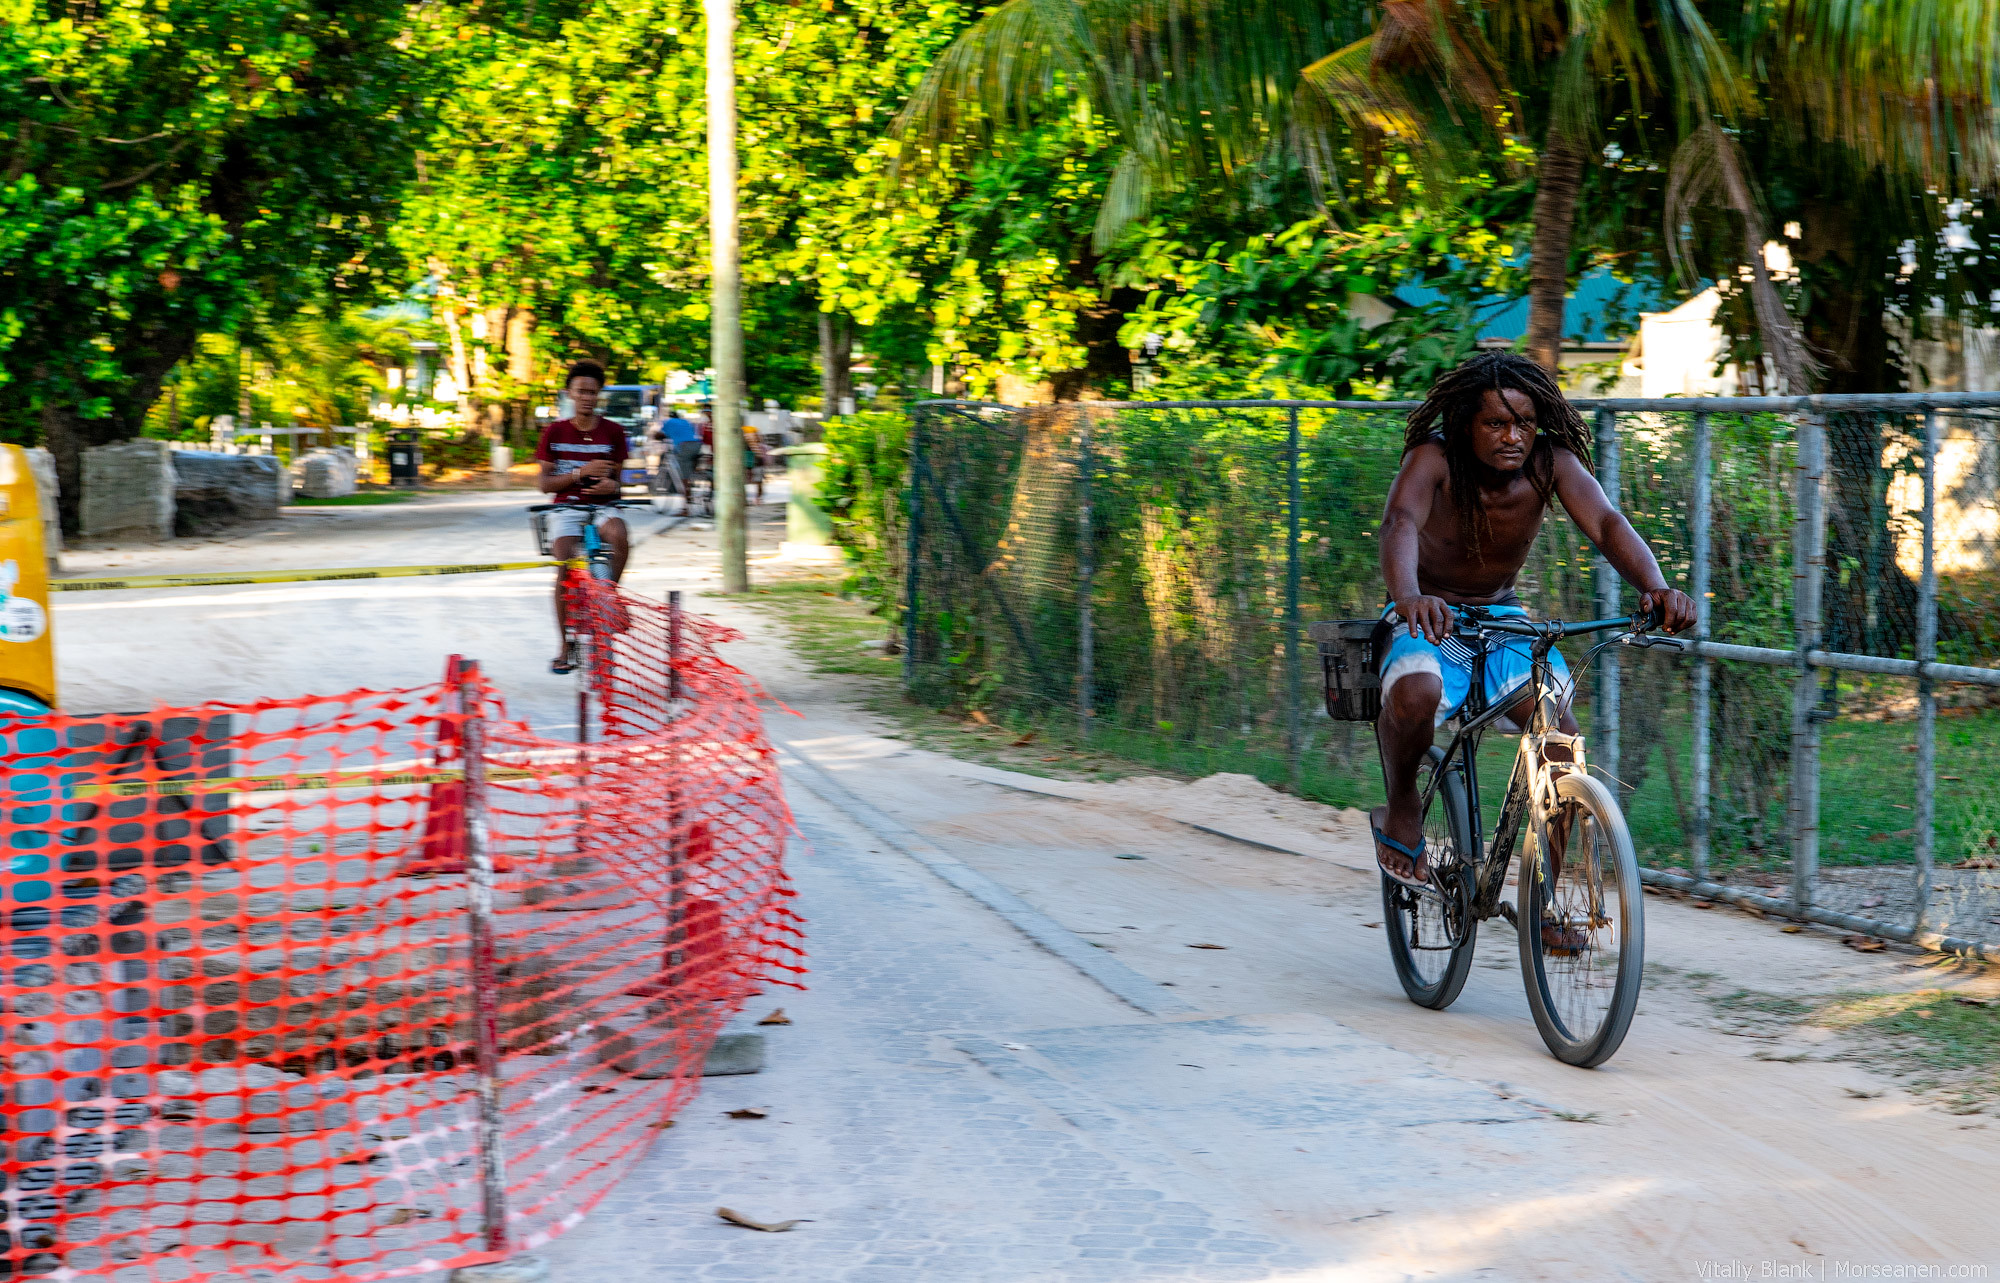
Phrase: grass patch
(1936, 1030)
(1940, 1043)
(362, 499)
(827, 631)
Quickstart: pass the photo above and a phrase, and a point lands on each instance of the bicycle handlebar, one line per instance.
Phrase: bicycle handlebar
(1638, 623)
(615, 503)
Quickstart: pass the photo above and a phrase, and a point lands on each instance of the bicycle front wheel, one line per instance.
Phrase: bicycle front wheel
(1431, 935)
(1582, 923)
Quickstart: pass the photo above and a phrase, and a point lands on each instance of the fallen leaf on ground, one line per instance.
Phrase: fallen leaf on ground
(660, 1127)
(1971, 1001)
(1704, 904)
(750, 1223)
(777, 1017)
(1863, 944)
(1052, 759)
(600, 1089)
(979, 717)
(1792, 930)
(1980, 862)
(1025, 740)
(1371, 924)
(1872, 902)
(1955, 779)
(1860, 1094)
(1208, 946)
(1129, 857)
(1571, 1116)
(750, 1111)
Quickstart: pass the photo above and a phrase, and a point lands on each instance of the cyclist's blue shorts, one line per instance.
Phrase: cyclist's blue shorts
(1507, 664)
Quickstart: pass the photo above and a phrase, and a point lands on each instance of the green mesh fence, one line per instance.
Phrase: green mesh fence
(1138, 577)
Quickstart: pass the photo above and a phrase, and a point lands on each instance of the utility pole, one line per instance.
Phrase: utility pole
(726, 297)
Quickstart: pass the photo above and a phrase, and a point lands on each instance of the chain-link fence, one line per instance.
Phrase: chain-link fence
(1139, 576)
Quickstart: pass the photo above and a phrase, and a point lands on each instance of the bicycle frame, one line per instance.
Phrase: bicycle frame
(1532, 784)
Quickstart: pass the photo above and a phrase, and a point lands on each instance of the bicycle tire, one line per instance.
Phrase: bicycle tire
(1431, 974)
(1576, 1036)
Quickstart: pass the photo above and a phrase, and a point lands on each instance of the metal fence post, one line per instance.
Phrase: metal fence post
(1604, 719)
(485, 973)
(1808, 568)
(1925, 818)
(913, 507)
(1701, 519)
(1294, 747)
(674, 644)
(1086, 570)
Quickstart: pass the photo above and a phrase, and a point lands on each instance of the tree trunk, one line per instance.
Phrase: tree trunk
(150, 355)
(1558, 181)
(520, 373)
(836, 361)
(1844, 256)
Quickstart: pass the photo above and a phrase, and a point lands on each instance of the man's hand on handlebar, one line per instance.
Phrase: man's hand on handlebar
(1428, 617)
(1670, 608)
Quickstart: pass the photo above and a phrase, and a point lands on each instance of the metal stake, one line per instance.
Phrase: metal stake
(913, 506)
(1604, 721)
(1808, 567)
(1702, 519)
(1086, 570)
(485, 978)
(1925, 819)
(673, 644)
(1294, 747)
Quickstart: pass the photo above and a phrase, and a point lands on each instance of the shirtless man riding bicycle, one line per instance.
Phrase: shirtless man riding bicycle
(1482, 457)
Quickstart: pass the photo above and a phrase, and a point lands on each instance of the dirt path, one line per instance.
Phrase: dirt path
(1706, 1137)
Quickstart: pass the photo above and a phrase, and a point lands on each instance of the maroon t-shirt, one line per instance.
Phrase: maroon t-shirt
(569, 448)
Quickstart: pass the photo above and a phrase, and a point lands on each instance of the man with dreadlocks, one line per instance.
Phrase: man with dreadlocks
(1484, 454)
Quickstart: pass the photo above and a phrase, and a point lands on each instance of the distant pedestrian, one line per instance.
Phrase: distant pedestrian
(684, 439)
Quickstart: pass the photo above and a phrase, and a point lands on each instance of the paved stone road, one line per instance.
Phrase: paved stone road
(912, 1160)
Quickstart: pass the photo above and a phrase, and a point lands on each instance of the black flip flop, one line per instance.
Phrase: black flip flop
(1416, 860)
(560, 668)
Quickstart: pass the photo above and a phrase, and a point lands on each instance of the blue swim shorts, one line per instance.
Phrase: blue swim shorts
(1507, 664)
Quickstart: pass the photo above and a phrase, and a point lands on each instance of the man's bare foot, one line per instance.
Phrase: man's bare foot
(1398, 864)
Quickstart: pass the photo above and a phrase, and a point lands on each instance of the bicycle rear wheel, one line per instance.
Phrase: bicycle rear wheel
(1431, 936)
(1582, 923)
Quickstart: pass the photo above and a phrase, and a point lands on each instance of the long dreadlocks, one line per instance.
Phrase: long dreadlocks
(1454, 401)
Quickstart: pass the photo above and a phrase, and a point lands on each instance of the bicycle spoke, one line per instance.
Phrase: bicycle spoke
(1580, 941)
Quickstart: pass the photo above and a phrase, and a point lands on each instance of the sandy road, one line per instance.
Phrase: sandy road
(1695, 1149)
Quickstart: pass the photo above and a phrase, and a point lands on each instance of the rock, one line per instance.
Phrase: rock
(735, 1054)
(48, 492)
(128, 492)
(328, 472)
(216, 490)
(526, 1268)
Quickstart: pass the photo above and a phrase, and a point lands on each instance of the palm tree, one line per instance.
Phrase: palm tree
(1201, 89)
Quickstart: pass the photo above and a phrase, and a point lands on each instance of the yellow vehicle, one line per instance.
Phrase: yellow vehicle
(27, 650)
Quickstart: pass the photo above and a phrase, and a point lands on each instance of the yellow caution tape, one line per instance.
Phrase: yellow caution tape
(286, 576)
(283, 783)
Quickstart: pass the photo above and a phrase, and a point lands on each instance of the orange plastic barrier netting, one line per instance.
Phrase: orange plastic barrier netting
(243, 1029)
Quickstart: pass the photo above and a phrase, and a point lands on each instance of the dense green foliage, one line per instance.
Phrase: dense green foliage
(175, 167)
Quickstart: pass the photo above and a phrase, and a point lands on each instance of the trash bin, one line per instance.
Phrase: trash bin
(406, 457)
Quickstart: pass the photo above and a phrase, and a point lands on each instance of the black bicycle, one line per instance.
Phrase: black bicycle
(1578, 910)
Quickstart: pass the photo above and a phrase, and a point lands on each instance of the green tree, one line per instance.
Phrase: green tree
(173, 164)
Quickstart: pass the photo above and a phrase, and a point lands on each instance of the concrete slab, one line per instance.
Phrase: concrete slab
(1298, 1113)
